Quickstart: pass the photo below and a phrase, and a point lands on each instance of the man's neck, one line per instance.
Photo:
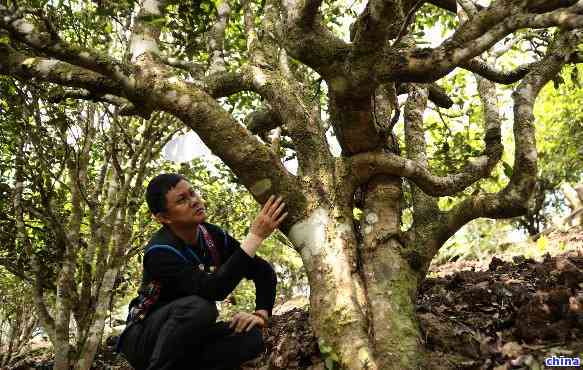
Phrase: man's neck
(187, 234)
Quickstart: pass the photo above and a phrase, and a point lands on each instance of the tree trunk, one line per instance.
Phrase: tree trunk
(574, 198)
(362, 291)
(391, 282)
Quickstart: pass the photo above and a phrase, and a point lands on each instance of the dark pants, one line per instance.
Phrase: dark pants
(183, 335)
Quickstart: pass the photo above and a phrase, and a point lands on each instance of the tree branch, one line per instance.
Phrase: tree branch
(437, 94)
(423, 205)
(473, 38)
(24, 67)
(306, 39)
(513, 200)
(195, 69)
(126, 107)
(379, 21)
(450, 5)
(21, 29)
(262, 121)
(146, 32)
(47, 320)
(415, 168)
(494, 75)
(293, 109)
(216, 38)
(366, 165)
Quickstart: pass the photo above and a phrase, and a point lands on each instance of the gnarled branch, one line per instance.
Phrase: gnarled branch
(494, 75)
(473, 38)
(308, 40)
(25, 67)
(27, 32)
(437, 94)
(513, 199)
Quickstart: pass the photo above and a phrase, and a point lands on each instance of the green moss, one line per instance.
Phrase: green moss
(261, 187)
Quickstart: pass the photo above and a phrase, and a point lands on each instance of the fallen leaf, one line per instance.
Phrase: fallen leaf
(511, 349)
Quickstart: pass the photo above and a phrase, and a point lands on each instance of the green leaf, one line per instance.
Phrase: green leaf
(329, 364)
(508, 170)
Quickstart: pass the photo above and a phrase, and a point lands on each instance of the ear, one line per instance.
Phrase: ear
(161, 218)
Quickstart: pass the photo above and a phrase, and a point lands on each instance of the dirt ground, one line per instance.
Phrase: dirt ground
(493, 314)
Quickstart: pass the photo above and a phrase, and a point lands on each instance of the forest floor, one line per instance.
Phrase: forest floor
(506, 312)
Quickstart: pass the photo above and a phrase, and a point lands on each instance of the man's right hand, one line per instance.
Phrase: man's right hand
(269, 218)
(265, 222)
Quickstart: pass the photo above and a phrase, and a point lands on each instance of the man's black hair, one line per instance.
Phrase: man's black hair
(157, 189)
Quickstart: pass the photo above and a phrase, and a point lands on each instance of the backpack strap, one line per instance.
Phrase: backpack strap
(216, 257)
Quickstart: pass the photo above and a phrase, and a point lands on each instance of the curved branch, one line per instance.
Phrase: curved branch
(514, 198)
(494, 75)
(473, 38)
(437, 94)
(223, 84)
(262, 121)
(195, 69)
(16, 64)
(21, 29)
(127, 108)
(415, 168)
(362, 167)
(306, 39)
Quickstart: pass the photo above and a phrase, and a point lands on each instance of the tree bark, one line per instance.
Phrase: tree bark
(337, 298)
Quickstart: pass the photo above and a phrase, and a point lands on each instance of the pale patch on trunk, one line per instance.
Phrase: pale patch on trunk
(310, 235)
(259, 79)
(531, 155)
(370, 219)
(171, 95)
(140, 45)
(23, 26)
(151, 6)
(45, 66)
(184, 101)
(260, 187)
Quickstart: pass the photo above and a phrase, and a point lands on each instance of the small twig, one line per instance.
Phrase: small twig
(407, 22)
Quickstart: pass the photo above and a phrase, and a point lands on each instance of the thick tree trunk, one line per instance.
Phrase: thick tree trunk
(391, 282)
(362, 292)
(328, 245)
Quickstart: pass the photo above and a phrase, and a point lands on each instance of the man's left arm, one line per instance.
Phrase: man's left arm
(262, 274)
(265, 280)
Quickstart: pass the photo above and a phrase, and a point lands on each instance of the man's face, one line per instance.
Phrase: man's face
(184, 206)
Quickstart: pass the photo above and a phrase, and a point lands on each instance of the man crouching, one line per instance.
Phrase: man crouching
(188, 265)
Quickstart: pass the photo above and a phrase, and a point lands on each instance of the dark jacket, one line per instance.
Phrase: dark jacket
(179, 278)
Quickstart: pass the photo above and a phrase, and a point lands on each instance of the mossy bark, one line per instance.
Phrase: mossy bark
(362, 294)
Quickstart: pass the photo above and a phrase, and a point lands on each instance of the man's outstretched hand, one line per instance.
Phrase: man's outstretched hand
(244, 321)
(269, 218)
